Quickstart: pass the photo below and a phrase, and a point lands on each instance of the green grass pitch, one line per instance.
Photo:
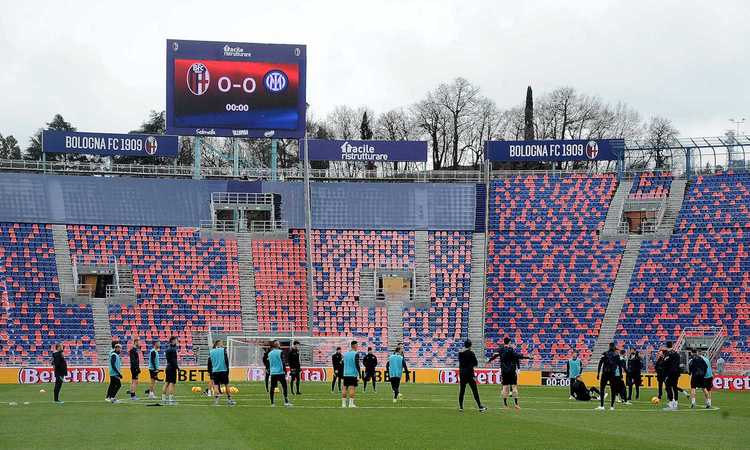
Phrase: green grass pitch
(426, 417)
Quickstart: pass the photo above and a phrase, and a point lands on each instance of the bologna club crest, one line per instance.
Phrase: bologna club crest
(592, 150)
(198, 79)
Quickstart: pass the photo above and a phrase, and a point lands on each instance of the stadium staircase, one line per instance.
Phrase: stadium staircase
(476, 296)
(674, 205)
(421, 268)
(247, 284)
(65, 279)
(614, 213)
(395, 323)
(201, 346)
(367, 287)
(616, 299)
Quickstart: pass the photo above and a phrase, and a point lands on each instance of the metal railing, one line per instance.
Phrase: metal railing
(242, 198)
(268, 226)
(223, 226)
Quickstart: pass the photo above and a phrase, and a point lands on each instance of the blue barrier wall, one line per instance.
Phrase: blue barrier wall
(109, 200)
(380, 206)
(168, 202)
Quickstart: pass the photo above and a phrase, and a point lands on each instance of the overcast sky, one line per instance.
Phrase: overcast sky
(102, 65)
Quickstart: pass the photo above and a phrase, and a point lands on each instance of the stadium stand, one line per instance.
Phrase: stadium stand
(699, 277)
(281, 284)
(434, 334)
(32, 317)
(548, 275)
(650, 185)
(338, 257)
(183, 283)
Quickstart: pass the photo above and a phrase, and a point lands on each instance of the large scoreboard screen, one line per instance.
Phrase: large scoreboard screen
(235, 89)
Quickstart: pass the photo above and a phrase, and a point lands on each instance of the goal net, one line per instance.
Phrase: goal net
(247, 350)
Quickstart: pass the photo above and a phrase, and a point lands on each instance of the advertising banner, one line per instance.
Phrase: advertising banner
(732, 383)
(108, 144)
(367, 151)
(555, 150)
(235, 89)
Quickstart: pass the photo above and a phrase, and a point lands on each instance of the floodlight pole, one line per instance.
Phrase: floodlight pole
(274, 156)
(236, 158)
(197, 157)
(308, 235)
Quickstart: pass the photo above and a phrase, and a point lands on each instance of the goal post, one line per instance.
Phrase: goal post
(247, 350)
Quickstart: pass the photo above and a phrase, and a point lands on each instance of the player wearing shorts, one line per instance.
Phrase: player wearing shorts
(701, 377)
(370, 361)
(170, 373)
(218, 367)
(510, 363)
(278, 372)
(153, 369)
(351, 376)
(135, 367)
(395, 367)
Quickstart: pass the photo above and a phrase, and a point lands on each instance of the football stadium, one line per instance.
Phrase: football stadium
(239, 274)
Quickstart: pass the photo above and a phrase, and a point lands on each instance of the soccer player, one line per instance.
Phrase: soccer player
(295, 368)
(170, 373)
(606, 374)
(351, 375)
(115, 374)
(153, 368)
(573, 369)
(720, 365)
(701, 377)
(370, 361)
(621, 370)
(633, 374)
(278, 373)
(660, 371)
(218, 366)
(467, 361)
(135, 367)
(337, 360)
(510, 362)
(395, 367)
(582, 393)
(672, 371)
(61, 370)
(267, 371)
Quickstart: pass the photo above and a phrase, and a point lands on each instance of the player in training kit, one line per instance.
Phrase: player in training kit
(115, 374)
(510, 362)
(337, 361)
(370, 361)
(170, 373)
(395, 367)
(153, 368)
(351, 376)
(573, 369)
(581, 392)
(278, 372)
(606, 374)
(61, 370)
(633, 374)
(295, 368)
(218, 367)
(672, 371)
(701, 377)
(267, 371)
(467, 361)
(621, 369)
(135, 367)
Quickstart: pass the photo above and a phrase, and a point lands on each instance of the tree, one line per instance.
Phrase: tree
(458, 98)
(365, 133)
(396, 125)
(34, 150)
(431, 118)
(9, 148)
(528, 116)
(660, 136)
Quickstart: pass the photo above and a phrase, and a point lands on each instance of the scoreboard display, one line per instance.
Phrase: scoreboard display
(235, 89)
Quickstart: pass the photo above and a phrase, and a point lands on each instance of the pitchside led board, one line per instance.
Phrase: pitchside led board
(555, 150)
(235, 89)
(108, 144)
(366, 151)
